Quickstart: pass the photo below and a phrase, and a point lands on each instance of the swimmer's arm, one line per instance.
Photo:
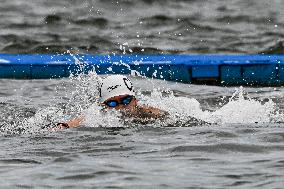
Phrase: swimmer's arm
(70, 124)
(155, 112)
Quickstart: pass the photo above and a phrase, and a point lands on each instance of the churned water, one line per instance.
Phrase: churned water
(214, 137)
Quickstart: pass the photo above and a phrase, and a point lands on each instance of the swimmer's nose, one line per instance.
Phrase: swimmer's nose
(121, 106)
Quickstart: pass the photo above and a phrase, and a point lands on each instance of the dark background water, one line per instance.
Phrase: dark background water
(147, 26)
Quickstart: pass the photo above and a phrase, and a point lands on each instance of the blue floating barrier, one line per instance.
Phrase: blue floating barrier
(280, 73)
(208, 69)
(47, 71)
(205, 71)
(259, 74)
(180, 73)
(15, 71)
(231, 75)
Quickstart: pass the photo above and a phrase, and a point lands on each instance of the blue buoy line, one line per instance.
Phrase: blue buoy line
(266, 70)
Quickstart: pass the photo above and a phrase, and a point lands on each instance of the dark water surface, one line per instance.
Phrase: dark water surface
(144, 26)
(228, 155)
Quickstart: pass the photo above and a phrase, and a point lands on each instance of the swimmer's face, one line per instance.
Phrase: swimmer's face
(121, 102)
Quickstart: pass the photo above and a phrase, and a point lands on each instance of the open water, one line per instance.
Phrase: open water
(144, 26)
(215, 137)
(239, 144)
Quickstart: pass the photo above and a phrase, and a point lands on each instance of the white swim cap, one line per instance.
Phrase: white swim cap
(115, 85)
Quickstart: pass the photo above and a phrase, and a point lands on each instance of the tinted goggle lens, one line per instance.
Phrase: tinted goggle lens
(112, 103)
(124, 101)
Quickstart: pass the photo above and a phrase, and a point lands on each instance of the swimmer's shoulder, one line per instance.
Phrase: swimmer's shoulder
(151, 112)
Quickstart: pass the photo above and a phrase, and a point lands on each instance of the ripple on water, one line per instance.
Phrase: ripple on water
(227, 148)
(54, 27)
(19, 161)
(242, 155)
(97, 174)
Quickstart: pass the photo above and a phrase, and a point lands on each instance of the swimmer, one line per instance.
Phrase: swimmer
(117, 93)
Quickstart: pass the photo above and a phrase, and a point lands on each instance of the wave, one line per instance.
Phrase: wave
(180, 26)
(277, 48)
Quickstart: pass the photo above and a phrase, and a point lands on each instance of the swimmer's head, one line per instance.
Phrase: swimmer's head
(115, 85)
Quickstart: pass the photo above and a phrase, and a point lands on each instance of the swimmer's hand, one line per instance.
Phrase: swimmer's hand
(69, 124)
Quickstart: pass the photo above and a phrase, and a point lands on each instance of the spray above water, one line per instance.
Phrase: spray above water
(240, 109)
(183, 111)
(85, 87)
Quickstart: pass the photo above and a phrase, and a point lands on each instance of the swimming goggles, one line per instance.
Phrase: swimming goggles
(124, 101)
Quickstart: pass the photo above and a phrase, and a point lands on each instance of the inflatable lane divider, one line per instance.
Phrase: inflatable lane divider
(265, 70)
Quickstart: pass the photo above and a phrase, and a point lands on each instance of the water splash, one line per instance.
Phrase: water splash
(85, 88)
(95, 117)
(183, 111)
(245, 110)
(43, 120)
(240, 109)
(187, 112)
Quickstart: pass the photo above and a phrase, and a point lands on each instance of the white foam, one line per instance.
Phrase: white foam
(238, 110)
(94, 117)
